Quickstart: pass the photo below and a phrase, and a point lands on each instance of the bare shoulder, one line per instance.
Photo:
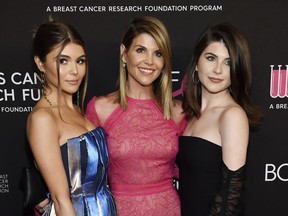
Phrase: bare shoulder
(41, 116)
(41, 125)
(106, 101)
(105, 105)
(233, 122)
(234, 130)
(233, 114)
(178, 114)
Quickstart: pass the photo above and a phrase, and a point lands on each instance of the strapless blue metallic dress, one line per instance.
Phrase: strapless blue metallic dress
(85, 159)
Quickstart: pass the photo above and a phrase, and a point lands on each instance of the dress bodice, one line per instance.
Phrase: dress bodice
(142, 144)
(199, 163)
(142, 149)
(85, 159)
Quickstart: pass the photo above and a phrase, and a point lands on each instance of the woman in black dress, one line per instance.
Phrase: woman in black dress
(213, 148)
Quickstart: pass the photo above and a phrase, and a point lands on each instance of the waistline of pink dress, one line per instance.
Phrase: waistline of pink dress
(141, 190)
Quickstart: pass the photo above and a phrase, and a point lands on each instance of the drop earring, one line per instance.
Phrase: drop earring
(43, 89)
(78, 96)
(193, 78)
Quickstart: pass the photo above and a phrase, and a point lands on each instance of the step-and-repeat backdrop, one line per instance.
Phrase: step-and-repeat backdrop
(101, 24)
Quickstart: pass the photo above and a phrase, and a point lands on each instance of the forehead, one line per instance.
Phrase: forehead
(73, 48)
(70, 49)
(217, 48)
(144, 38)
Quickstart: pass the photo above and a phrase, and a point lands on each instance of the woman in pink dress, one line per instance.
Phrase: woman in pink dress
(142, 123)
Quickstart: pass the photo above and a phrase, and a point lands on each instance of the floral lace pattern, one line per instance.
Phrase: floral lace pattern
(142, 148)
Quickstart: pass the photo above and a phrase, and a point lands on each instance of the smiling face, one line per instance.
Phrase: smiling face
(144, 61)
(214, 68)
(72, 68)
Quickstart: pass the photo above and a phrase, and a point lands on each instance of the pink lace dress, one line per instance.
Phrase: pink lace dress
(142, 147)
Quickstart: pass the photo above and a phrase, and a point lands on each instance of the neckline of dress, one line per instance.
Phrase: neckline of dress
(200, 138)
(82, 135)
(140, 100)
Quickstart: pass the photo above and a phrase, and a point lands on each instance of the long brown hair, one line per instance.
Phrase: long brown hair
(240, 71)
(53, 34)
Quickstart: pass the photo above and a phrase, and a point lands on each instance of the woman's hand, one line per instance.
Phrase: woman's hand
(42, 206)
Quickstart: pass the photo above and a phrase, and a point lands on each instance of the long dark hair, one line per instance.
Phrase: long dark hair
(240, 71)
(52, 34)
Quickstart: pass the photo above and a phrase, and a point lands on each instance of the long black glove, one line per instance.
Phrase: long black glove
(229, 199)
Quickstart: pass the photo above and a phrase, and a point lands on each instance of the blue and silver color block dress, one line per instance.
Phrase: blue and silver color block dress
(85, 159)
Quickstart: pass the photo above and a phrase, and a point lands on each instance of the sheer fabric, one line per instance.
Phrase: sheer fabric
(206, 186)
(228, 200)
(142, 148)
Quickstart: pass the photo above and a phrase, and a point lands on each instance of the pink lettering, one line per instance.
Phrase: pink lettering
(279, 82)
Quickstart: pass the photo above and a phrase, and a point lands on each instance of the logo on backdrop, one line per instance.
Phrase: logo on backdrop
(4, 183)
(18, 88)
(279, 85)
(133, 8)
(274, 172)
(175, 79)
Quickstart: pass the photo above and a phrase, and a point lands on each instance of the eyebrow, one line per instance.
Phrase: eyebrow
(82, 56)
(139, 45)
(210, 53)
(67, 56)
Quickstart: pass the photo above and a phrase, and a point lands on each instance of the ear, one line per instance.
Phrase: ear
(123, 53)
(196, 68)
(39, 63)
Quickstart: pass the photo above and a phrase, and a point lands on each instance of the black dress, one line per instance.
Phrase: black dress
(206, 186)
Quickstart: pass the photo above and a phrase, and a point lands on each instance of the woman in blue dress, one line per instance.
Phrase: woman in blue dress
(70, 153)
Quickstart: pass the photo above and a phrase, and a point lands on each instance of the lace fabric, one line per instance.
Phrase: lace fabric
(142, 148)
(228, 201)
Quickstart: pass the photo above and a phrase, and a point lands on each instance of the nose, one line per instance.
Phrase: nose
(218, 68)
(74, 69)
(149, 59)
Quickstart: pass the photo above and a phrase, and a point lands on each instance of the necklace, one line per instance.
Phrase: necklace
(45, 97)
